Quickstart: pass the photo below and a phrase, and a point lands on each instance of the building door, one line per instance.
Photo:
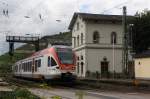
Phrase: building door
(104, 69)
(131, 69)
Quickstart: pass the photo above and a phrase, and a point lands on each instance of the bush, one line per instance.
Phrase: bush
(88, 73)
(18, 93)
(24, 94)
(97, 74)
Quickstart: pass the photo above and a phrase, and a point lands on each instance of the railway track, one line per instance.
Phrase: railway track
(77, 85)
(56, 88)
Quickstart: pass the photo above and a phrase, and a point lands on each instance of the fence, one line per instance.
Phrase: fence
(108, 75)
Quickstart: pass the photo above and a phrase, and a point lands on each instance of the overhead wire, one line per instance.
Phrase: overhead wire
(116, 6)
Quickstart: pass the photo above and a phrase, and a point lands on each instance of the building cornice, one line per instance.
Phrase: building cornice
(98, 46)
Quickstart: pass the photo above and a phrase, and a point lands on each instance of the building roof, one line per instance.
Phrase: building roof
(89, 16)
(145, 54)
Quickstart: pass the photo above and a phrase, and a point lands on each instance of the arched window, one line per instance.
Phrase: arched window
(78, 40)
(81, 38)
(74, 41)
(113, 38)
(95, 37)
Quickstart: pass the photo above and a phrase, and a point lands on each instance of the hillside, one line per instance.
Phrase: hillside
(7, 61)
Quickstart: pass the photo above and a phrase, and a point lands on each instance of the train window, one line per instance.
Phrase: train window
(78, 68)
(25, 67)
(49, 62)
(19, 67)
(36, 63)
(53, 62)
(30, 66)
(39, 63)
(16, 68)
(22, 66)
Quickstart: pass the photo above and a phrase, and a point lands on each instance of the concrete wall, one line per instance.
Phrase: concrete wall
(75, 32)
(142, 68)
(84, 60)
(94, 53)
(105, 31)
(96, 56)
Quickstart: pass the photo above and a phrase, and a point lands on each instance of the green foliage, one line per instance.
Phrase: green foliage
(24, 94)
(7, 61)
(80, 94)
(56, 97)
(18, 93)
(141, 31)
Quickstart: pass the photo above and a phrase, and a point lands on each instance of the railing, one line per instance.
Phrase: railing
(21, 39)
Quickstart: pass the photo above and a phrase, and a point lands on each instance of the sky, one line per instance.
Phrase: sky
(47, 17)
(41, 16)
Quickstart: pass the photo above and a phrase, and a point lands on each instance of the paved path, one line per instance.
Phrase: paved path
(4, 86)
(71, 94)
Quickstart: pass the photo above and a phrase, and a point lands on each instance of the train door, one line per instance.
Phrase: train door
(52, 64)
(38, 65)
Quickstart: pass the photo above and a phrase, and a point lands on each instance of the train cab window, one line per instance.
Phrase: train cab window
(53, 62)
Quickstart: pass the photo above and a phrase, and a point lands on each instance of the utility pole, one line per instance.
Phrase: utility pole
(125, 42)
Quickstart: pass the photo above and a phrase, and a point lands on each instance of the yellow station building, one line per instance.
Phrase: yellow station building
(142, 66)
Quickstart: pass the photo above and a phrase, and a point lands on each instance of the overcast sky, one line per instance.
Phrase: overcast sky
(42, 14)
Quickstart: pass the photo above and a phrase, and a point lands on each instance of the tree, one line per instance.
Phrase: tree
(141, 31)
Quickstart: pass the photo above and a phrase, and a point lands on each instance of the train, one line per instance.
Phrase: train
(55, 62)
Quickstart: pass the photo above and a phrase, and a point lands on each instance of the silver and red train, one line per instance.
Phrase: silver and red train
(55, 62)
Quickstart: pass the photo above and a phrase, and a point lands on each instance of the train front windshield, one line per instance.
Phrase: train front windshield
(65, 55)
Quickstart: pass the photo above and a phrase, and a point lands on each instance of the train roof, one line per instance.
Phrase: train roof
(44, 51)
